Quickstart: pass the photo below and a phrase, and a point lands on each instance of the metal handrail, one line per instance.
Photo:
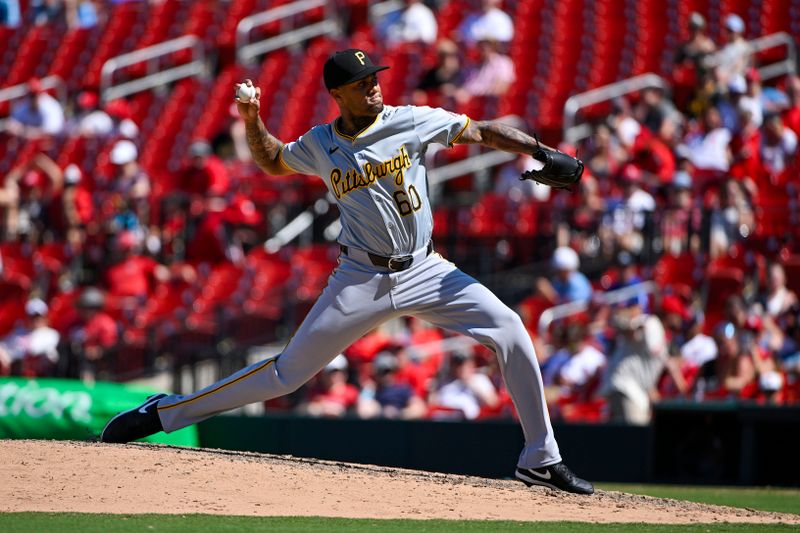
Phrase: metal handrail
(50, 82)
(196, 67)
(573, 132)
(609, 297)
(246, 51)
(773, 40)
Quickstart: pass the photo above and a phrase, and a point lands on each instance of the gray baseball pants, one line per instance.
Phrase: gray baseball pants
(360, 297)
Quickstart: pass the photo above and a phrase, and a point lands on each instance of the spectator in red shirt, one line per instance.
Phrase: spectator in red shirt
(92, 335)
(204, 174)
(331, 395)
(134, 274)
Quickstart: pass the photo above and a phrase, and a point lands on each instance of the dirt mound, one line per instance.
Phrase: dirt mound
(143, 478)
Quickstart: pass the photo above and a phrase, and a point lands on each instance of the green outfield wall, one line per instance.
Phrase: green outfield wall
(68, 409)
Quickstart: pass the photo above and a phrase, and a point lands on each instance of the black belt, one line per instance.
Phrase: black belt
(395, 264)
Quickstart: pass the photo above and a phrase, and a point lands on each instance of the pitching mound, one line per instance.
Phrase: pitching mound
(141, 478)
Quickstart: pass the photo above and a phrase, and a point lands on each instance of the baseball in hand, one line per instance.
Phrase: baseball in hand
(245, 93)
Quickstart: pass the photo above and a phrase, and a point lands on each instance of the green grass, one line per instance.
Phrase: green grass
(762, 499)
(69, 522)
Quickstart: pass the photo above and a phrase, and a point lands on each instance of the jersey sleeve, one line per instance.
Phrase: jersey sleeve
(435, 125)
(299, 156)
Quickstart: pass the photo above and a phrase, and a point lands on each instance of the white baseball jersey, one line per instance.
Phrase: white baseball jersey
(379, 180)
(378, 176)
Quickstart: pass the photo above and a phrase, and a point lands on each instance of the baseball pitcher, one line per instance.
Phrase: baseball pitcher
(372, 160)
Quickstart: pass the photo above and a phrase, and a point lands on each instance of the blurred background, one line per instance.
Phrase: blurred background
(140, 245)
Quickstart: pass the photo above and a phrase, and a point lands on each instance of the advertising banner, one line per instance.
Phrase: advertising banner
(66, 409)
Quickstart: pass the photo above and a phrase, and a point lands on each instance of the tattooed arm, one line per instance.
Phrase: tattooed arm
(495, 134)
(265, 148)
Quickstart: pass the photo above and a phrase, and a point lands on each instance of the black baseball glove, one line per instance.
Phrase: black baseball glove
(560, 170)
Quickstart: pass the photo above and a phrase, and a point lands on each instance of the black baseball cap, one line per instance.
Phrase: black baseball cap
(347, 66)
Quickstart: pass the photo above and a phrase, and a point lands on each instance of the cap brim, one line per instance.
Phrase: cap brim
(363, 74)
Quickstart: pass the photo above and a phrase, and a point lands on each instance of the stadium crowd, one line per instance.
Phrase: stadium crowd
(695, 190)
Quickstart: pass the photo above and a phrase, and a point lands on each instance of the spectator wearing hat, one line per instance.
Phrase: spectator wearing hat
(91, 120)
(568, 283)
(38, 114)
(128, 181)
(92, 335)
(464, 388)
(331, 395)
(678, 374)
(31, 349)
(385, 396)
(635, 365)
(735, 57)
(76, 206)
(636, 200)
(120, 114)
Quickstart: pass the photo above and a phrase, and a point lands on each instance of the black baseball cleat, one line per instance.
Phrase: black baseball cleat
(135, 423)
(556, 476)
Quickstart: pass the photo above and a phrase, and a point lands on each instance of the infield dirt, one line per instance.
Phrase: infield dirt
(60, 476)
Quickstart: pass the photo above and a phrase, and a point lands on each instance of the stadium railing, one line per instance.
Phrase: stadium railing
(574, 132)
(247, 51)
(155, 78)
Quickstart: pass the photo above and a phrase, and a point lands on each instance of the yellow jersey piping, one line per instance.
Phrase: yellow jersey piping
(460, 133)
(284, 163)
(212, 391)
(354, 137)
